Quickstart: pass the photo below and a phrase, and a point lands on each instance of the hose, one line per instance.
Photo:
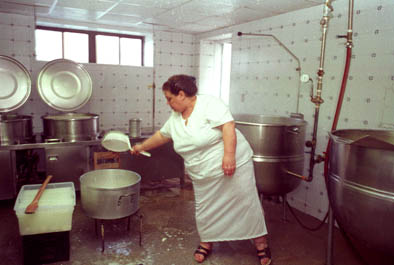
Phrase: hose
(338, 108)
(304, 226)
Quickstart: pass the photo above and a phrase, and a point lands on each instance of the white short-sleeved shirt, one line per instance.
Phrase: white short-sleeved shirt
(200, 142)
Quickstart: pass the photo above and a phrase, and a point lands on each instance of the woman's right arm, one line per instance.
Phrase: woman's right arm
(152, 142)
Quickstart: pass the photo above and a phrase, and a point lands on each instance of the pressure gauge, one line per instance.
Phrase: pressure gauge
(304, 78)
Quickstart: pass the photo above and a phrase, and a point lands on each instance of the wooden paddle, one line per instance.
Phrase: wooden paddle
(32, 207)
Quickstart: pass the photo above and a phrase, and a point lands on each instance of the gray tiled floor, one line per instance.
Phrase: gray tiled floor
(169, 236)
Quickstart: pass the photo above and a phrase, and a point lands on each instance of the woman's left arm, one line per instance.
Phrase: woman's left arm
(230, 144)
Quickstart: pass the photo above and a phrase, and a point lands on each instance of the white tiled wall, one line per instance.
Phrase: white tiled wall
(265, 80)
(174, 54)
(119, 92)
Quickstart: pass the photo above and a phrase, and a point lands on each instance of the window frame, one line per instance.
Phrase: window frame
(92, 40)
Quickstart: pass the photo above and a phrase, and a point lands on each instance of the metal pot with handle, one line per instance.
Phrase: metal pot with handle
(71, 127)
(16, 129)
(110, 193)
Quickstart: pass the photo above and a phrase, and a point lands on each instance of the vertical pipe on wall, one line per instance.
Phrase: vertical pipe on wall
(318, 100)
(153, 82)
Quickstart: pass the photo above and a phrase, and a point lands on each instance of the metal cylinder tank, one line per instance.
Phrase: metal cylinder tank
(361, 186)
(278, 147)
(16, 129)
(71, 127)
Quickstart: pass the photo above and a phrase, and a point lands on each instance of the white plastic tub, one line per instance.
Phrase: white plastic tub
(54, 212)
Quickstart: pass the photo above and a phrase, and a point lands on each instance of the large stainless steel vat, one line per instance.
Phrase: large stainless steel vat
(361, 186)
(15, 129)
(71, 127)
(278, 146)
(110, 193)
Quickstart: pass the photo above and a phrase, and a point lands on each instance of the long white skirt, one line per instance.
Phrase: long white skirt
(228, 208)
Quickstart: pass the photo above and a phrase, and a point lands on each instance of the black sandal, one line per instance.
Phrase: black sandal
(264, 253)
(202, 251)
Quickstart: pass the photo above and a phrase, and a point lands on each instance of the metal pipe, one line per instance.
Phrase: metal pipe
(284, 204)
(298, 69)
(154, 84)
(330, 237)
(295, 174)
(153, 102)
(318, 100)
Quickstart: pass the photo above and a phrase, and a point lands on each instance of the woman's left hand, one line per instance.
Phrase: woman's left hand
(228, 164)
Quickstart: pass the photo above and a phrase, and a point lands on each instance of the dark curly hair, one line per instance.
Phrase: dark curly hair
(177, 83)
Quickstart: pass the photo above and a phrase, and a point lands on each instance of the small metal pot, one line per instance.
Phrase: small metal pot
(135, 128)
(15, 129)
(71, 127)
(110, 193)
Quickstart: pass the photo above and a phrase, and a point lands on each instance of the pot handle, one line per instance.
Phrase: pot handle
(131, 195)
(53, 140)
(293, 129)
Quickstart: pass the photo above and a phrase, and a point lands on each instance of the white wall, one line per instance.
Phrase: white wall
(264, 80)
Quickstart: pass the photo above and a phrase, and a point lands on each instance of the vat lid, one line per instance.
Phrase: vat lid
(15, 84)
(373, 142)
(377, 139)
(64, 85)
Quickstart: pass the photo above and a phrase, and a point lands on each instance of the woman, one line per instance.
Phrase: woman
(218, 159)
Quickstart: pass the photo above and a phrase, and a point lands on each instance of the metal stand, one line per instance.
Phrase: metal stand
(102, 233)
(284, 204)
(330, 236)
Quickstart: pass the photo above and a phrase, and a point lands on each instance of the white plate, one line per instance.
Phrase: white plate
(15, 84)
(64, 85)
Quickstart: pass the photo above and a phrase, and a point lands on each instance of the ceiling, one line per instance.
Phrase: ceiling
(189, 16)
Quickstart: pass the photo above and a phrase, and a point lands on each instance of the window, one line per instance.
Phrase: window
(128, 56)
(48, 45)
(76, 46)
(88, 46)
(215, 68)
(225, 72)
(107, 49)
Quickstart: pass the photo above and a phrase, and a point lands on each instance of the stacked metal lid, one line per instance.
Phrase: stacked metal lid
(15, 83)
(64, 85)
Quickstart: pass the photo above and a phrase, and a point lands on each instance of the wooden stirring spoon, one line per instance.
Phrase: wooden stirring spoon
(32, 207)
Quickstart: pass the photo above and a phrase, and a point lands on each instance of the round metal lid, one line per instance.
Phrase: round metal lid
(15, 84)
(64, 85)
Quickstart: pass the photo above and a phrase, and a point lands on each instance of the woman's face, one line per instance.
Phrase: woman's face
(175, 101)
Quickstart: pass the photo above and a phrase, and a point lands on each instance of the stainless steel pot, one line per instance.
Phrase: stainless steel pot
(15, 129)
(278, 147)
(71, 127)
(135, 128)
(110, 193)
(361, 186)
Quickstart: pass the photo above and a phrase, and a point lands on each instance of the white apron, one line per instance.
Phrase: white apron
(228, 208)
